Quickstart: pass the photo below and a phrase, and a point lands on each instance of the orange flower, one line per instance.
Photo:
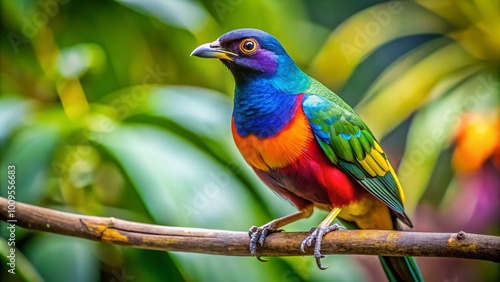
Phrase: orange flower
(478, 138)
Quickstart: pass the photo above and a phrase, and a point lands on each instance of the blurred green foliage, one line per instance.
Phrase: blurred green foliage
(103, 112)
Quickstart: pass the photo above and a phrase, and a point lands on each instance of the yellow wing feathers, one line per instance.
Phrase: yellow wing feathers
(376, 164)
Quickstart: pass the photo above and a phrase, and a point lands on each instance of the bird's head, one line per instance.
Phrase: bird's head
(249, 54)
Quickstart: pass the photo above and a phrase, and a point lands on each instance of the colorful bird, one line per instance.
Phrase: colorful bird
(308, 146)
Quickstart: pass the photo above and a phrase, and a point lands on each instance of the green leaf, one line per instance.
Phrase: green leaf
(432, 130)
(179, 13)
(202, 111)
(75, 61)
(24, 269)
(411, 95)
(61, 258)
(366, 31)
(31, 151)
(13, 112)
(179, 184)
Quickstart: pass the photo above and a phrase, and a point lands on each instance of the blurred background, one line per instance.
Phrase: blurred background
(103, 112)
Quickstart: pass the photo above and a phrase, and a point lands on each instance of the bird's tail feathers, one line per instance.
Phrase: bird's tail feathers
(400, 268)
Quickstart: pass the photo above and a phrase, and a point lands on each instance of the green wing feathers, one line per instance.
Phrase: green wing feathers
(348, 143)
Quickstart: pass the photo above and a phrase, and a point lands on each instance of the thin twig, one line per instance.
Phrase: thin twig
(165, 238)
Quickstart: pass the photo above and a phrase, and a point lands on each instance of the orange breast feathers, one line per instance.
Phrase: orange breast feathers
(277, 151)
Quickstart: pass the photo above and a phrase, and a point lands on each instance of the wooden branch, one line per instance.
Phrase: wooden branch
(165, 238)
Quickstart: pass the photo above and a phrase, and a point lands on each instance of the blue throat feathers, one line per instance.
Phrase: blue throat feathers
(263, 114)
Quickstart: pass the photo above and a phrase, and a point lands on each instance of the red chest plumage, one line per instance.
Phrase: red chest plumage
(314, 178)
(294, 166)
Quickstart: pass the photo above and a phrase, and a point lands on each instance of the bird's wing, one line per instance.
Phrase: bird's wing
(349, 144)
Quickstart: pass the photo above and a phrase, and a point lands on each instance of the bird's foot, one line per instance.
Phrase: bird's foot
(317, 236)
(258, 236)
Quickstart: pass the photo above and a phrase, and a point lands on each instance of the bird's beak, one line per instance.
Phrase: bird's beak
(213, 50)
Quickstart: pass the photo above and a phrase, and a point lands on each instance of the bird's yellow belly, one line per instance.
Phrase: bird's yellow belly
(368, 213)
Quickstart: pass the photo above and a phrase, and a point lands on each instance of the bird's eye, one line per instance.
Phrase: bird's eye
(248, 46)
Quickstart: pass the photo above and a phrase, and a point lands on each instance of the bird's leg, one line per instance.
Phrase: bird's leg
(259, 234)
(317, 235)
